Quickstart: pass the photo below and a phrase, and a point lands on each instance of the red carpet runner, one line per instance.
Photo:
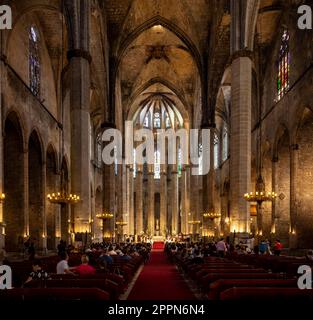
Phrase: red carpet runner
(160, 280)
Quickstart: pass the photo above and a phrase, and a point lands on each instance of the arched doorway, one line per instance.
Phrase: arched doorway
(35, 189)
(51, 209)
(13, 209)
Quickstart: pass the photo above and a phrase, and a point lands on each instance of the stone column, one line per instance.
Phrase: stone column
(43, 235)
(80, 123)
(108, 199)
(274, 187)
(184, 212)
(79, 12)
(2, 226)
(194, 204)
(163, 202)
(139, 203)
(294, 204)
(174, 202)
(240, 161)
(26, 195)
(131, 217)
(151, 219)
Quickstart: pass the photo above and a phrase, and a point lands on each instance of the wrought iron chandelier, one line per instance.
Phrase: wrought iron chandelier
(63, 198)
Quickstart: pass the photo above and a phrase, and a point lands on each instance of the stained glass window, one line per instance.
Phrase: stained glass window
(168, 122)
(146, 122)
(216, 150)
(157, 165)
(157, 120)
(283, 66)
(34, 63)
(225, 143)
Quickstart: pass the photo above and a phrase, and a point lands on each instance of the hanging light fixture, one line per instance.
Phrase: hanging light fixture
(63, 198)
(260, 195)
(211, 215)
(2, 197)
(105, 215)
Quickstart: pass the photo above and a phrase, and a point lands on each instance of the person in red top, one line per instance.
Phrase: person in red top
(85, 268)
(278, 247)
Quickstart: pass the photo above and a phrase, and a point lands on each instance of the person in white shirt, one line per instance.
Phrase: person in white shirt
(62, 266)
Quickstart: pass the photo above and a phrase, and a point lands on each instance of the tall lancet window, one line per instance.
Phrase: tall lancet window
(216, 151)
(179, 164)
(157, 165)
(200, 154)
(134, 165)
(34, 63)
(225, 143)
(157, 120)
(283, 66)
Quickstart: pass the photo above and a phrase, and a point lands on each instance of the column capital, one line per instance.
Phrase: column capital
(79, 53)
(243, 53)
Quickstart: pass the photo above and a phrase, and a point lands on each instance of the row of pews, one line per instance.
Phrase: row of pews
(245, 277)
(104, 285)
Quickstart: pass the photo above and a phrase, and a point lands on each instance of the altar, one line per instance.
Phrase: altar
(158, 242)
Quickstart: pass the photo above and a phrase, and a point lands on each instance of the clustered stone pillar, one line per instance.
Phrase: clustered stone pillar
(174, 201)
(240, 162)
(2, 227)
(294, 154)
(151, 222)
(163, 202)
(139, 204)
(184, 212)
(131, 217)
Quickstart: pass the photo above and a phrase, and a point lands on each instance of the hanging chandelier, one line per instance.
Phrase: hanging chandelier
(63, 198)
(260, 195)
(2, 197)
(211, 215)
(121, 223)
(105, 215)
(194, 222)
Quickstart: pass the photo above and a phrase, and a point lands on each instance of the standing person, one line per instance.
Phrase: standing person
(221, 248)
(263, 247)
(277, 247)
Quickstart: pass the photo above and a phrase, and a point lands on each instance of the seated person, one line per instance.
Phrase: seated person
(85, 268)
(105, 257)
(309, 255)
(38, 273)
(62, 266)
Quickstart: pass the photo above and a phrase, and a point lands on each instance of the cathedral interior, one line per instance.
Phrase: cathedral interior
(73, 69)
